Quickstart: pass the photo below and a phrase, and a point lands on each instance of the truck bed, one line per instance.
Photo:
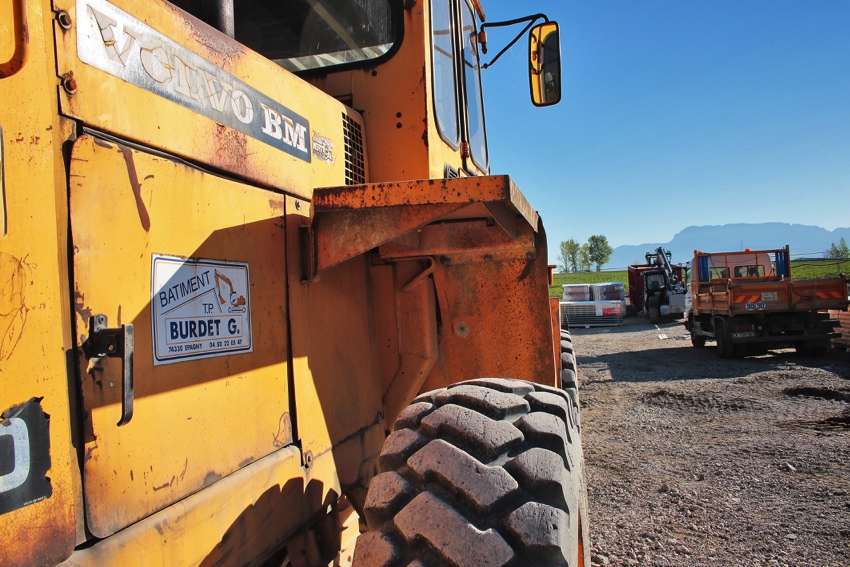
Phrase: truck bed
(732, 298)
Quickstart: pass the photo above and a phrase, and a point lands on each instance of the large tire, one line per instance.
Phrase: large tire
(569, 369)
(696, 340)
(725, 346)
(485, 472)
(653, 313)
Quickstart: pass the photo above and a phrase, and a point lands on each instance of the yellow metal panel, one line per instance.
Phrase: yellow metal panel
(335, 364)
(237, 519)
(35, 335)
(149, 72)
(200, 419)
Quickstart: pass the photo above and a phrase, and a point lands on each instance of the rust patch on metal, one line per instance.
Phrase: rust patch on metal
(276, 207)
(231, 147)
(102, 143)
(283, 437)
(211, 38)
(211, 477)
(165, 485)
(13, 308)
(43, 544)
(79, 307)
(527, 271)
(144, 217)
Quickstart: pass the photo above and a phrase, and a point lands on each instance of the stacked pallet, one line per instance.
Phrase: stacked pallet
(843, 318)
(576, 292)
(591, 313)
(589, 305)
(608, 291)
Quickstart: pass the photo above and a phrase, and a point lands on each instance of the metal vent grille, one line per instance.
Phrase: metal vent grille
(355, 171)
(450, 173)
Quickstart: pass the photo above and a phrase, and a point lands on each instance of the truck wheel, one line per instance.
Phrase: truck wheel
(652, 311)
(725, 346)
(697, 340)
(484, 472)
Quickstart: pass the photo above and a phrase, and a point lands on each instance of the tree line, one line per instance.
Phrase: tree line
(838, 252)
(574, 257)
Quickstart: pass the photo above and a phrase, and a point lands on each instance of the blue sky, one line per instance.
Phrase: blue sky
(678, 113)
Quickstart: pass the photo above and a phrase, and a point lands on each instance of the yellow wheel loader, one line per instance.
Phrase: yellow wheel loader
(261, 301)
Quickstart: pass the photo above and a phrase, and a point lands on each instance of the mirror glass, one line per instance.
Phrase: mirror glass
(544, 52)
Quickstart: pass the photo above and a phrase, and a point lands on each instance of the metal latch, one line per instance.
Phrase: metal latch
(114, 343)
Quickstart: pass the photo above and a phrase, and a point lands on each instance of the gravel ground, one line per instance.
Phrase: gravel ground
(693, 460)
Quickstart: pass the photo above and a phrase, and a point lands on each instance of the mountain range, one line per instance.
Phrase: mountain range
(804, 240)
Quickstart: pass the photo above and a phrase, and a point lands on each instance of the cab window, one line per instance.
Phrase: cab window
(445, 86)
(472, 84)
(301, 35)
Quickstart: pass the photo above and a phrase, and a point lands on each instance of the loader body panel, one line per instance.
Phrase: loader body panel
(39, 518)
(220, 288)
(154, 241)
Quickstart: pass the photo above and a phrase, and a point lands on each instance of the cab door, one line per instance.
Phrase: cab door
(182, 272)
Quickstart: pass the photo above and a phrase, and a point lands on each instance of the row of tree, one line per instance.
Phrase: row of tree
(574, 257)
(838, 251)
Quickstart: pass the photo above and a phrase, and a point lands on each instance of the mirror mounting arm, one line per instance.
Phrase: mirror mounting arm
(482, 34)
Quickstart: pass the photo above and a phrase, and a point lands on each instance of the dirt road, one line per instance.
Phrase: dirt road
(693, 460)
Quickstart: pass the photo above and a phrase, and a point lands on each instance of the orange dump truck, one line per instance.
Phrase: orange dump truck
(748, 300)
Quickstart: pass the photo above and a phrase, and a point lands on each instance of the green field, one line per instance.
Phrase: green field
(813, 269)
(800, 269)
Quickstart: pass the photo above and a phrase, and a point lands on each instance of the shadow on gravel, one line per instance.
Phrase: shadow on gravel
(674, 358)
(632, 325)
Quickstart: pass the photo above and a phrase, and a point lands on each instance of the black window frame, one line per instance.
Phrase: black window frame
(438, 111)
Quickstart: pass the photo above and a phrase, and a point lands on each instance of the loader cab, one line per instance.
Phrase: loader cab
(413, 69)
(655, 282)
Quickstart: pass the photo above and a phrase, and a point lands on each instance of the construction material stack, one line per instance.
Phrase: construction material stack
(593, 305)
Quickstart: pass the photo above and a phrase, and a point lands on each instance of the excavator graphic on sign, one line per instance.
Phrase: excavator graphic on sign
(237, 302)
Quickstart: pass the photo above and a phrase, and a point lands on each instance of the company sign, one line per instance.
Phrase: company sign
(119, 44)
(199, 309)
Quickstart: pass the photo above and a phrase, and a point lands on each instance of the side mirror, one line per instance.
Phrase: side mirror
(544, 55)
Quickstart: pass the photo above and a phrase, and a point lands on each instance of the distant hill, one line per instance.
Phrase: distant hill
(804, 240)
